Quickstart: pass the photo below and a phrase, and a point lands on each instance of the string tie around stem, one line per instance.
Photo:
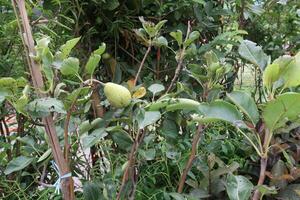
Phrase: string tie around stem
(57, 184)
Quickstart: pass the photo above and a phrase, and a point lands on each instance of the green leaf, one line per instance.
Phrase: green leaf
(21, 103)
(202, 2)
(122, 139)
(177, 196)
(49, 74)
(47, 57)
(141, 33)
(3, 94)
(149, 27)
(150, 117)
(283, 61)
(21, 82)
(173, 104)
(192, 37)
(159, 25)
(246, 104)
(177, 36)
(270, 75)
(43, 106)
(94, 59)
(273, 74)
(156, 88)
(66, 48)
(160, 41)
(17, 164)
(253, 53)
(42, 48)
(282, 109)
(85, 126)
(27, 140)
(219, 111)
(198, 194)
(70, 66)
(278, 171)
(238, 187)
(97, 123)
(100, 50)
(157, 105)
(111, 5)
(211, 58)
(182, 104)
(169, 129)
(264, 189)
(92, 139)
(43, 43)
(215, 174)
(291, 192)
(291, 73)
(148, 154)
(45, 155)
(8, 84)
(76, 94)
(92, 64)
(213, 66)
(92, 191)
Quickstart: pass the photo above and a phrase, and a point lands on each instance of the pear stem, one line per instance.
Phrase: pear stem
(92, 80)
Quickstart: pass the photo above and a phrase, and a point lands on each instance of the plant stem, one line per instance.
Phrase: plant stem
(251, 142)
(263, 162)
(90, 81)
(188, 166)
(96, 103)
(130, 170)
(180, 61)
(177, 71)
(263, 166)
(4, 129)
(142, 64)
(89, 168)
(20, 131)
(66, 131)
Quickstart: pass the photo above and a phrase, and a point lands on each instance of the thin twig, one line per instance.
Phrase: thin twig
(66, 131)
(177, 71)
(8, 151)
(131, 161)
(188, 166)
(92, 81)
(44, 172)
(84, 156)
(141, 65)
(20, 131)
(180, 60)
(132, 56)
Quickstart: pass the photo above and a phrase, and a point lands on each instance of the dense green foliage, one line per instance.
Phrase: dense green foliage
(192, 130)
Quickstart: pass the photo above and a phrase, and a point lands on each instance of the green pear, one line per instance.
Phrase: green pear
(117, 95)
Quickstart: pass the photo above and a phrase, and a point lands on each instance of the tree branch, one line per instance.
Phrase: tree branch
(141, 65)
(189, 164)
(130, 171)
(180, 60)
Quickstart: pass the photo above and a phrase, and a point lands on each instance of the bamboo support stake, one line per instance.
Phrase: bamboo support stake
(67, 185)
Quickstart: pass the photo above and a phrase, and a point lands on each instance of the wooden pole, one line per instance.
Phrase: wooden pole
(67, 184)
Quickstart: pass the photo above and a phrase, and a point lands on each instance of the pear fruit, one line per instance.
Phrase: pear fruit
(117, 95)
